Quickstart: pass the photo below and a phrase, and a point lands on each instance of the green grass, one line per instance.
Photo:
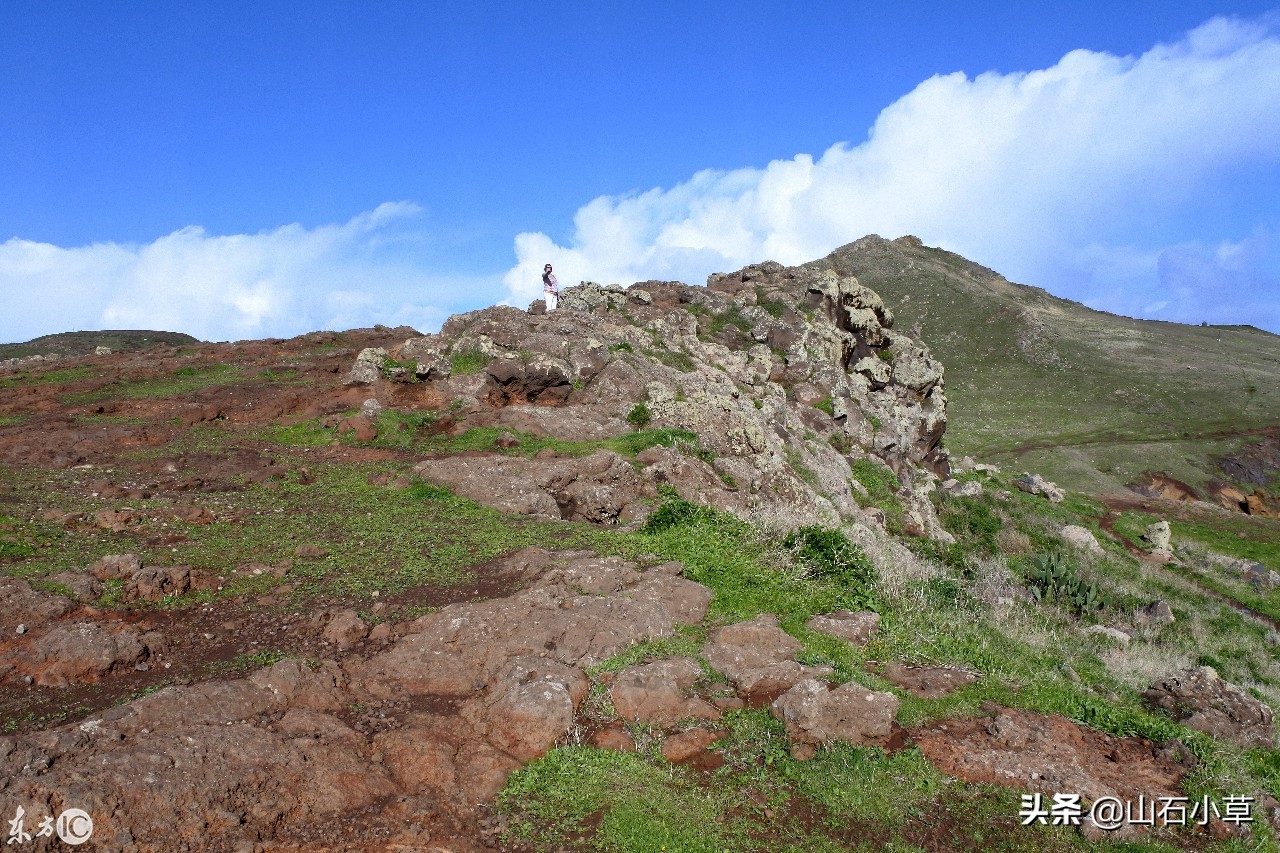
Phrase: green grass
(57, 376)
(184, 380)
(673, 358)
(468, 361)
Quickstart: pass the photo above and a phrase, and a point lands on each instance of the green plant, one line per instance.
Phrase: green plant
(639, 416)
(677, 512)
(620, 347)
(828, 554)
(468, 361)
(390, 365)
(826, 405)
(676, 360)
(1051, 576)
(772, 307)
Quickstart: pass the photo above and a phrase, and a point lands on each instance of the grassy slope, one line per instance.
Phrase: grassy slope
(1100, 397)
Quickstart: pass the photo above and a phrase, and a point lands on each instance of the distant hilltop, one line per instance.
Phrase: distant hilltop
(66, 344)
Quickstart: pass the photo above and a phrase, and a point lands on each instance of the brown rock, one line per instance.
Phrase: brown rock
(614, 737)
(82, 652)
(344, 629)
(1049, 755)
(853, 627)
(813, 713)
(85, 587)
(22, 605)
(115, 566)
(687, 746)
(652, 693)
(1203, 701)
(152, 583)
(758, 657)
(927, 682)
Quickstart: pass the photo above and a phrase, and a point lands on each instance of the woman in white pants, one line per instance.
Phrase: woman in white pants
(550, 288)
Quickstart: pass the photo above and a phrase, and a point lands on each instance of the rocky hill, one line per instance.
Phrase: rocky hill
(1091, 399)
(673, 567)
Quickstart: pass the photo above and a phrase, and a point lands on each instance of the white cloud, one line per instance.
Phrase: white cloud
(1060, 177)
(274, 283)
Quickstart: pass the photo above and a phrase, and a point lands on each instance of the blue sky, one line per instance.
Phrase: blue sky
(239, 170)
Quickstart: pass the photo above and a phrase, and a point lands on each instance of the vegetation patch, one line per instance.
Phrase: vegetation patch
(640, 416)
(1053, 577)
(468, 361)
(672, 358)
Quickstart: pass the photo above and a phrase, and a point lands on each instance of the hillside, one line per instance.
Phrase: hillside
(1087, 398)
(84, 343)
(672, 568)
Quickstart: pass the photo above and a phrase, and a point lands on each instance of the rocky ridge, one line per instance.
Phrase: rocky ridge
(781, 378)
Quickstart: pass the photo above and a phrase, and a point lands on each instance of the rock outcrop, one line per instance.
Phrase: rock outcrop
(782, 377)
(1204, 702)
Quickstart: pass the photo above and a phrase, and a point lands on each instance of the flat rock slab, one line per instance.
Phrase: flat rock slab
(927, 682)
(271, 760)
(1018, 749)
(600, 488)
(854, 627)
(654, 693)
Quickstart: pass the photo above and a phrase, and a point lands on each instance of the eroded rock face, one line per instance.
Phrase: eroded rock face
(1203, 701)
(785, 376)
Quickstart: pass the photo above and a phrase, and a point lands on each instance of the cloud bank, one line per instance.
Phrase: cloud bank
(276, 283)
(1085, 178)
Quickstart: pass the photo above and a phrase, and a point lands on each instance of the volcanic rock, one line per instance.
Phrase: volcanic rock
(653, 693)
(853, 627)
(815, 713)
(1204, 702)
(759, 658)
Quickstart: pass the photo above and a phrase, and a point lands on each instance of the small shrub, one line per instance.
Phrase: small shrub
(621, 347)
(389, 365)
(828, 554)
(682, 513)
(772, 307)
(826, 405)
(640, 416)
(886, 355)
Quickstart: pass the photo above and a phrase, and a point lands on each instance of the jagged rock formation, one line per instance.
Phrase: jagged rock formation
(786, 376)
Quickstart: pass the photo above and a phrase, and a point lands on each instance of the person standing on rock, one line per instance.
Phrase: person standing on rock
(550, 288)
